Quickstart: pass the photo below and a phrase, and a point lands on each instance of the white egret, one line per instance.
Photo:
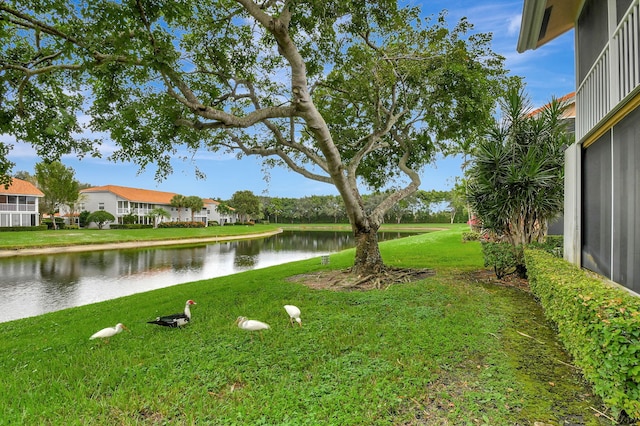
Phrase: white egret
(294, 314)
(252, 325)
(105, 333)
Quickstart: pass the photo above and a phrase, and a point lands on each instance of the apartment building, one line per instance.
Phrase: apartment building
(602, 173)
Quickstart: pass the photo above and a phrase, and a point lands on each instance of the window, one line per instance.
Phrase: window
(100, 206)
(593, 34)
(621, 8)
(626, 202)
(596, 206)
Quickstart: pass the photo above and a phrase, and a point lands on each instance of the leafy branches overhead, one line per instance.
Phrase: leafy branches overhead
(342, 92)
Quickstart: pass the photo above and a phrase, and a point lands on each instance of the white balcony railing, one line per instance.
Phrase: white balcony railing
(17, 207)
(137, 212)
(614, 75)
(626, 38)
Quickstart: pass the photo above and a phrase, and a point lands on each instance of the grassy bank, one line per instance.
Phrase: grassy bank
(409, 227)
(67, 237)
(444, 350)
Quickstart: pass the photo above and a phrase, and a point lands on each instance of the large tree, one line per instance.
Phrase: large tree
(345, 92)
(59, 186)
(178, 201)
(194, 204)
(246, 204)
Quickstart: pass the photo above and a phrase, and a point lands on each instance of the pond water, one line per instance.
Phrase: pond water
(34, 285)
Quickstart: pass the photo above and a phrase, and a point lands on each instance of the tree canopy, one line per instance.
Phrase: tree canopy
(246, 204)
(178, 201)
(341, 91)
(194, 203)
(101, 218)
(59, 186)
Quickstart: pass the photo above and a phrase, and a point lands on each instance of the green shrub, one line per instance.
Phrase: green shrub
(82, 217)
(553, 244)
(130, 226)
(470, 236)
(505, 258)
(181, 225)
(598, 324)
(59, 223)
(42, 227)
(129, 219)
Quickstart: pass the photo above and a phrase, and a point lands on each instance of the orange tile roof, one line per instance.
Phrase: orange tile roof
(217, 203)
(134, 194)
(21, 187)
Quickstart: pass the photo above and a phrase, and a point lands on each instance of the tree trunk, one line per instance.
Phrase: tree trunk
(368, 259)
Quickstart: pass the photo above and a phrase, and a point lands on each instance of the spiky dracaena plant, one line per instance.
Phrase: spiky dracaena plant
(516, 175)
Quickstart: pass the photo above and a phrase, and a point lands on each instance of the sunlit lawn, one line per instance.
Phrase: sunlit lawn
(443, 351)
(64, 237)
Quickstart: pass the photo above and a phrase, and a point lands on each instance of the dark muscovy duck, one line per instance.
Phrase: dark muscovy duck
(175, 320)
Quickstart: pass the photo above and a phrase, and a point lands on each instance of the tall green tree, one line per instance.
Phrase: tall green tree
(272, 207)
(158, 214)
(246, 204)
(333, 207)
(25, 175)
(194, 203)
(59, 186)
(457, 200)
(178, 201)
(515, 181)
(344, 92)
(5, 165)
(224, 210)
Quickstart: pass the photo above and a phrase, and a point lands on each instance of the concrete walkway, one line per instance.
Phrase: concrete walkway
(130, 244)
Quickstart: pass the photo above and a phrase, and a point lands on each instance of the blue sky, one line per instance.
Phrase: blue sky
(547, 72)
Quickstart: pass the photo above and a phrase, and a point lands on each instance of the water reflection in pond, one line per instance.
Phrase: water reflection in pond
(33, 285)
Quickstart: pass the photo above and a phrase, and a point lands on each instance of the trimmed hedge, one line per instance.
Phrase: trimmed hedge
(23, 228)
(599, 325)
(181, 225)
(59, 223)
(129, 226)
(553, 244)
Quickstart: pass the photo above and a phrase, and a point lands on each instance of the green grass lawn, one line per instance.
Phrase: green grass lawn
(66, 237)
(447, 350)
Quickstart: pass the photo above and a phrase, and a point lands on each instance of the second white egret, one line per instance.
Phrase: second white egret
(294, 314)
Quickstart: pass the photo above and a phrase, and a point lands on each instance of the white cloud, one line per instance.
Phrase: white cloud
(514, 24)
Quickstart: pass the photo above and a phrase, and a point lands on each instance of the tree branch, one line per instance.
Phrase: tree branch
(378, 213)
(264, 152)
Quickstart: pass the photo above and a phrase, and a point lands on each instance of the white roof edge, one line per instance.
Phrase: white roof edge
(532, 16)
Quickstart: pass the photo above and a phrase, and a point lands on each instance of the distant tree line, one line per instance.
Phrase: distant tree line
(60, 188)
(421, 207)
